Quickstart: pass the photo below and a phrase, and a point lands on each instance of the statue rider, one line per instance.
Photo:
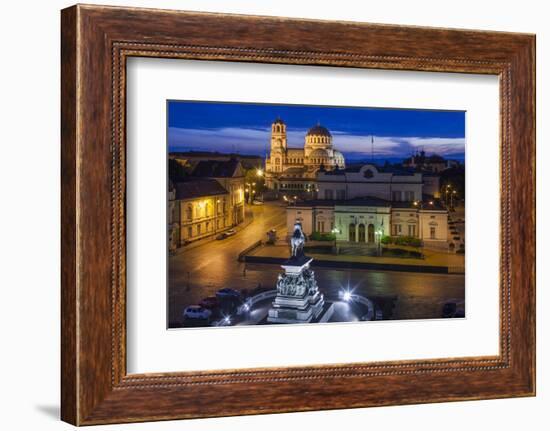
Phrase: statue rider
(297, 240)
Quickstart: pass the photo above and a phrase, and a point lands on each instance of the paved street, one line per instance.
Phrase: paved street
(201, 271)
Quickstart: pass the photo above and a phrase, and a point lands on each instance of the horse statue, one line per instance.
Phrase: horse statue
(297, 240)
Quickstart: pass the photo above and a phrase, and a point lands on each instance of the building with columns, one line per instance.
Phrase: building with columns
(296, 168)
(364, 220)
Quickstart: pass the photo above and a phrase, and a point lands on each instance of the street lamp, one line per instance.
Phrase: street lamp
(452, 195)
(259, 172)
(378, 237)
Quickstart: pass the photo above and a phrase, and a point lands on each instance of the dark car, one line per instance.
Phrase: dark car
(210, 303)
(449, 310)
(229, 300)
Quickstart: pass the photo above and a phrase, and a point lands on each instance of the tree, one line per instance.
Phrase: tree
(176, 171)
(455, 178)
(254, 183)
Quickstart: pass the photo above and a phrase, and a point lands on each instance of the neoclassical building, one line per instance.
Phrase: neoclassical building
(369, 180)
(296, 168)
(364, 220)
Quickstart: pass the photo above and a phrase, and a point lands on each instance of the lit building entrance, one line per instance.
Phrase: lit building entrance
(361, 233)
(351, 232)
(371, 232)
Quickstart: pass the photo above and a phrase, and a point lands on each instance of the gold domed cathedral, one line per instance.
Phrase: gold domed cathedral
(295, 169)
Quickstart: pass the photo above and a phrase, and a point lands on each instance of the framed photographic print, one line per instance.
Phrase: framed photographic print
(331, 214)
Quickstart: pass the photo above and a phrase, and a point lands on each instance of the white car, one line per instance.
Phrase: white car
(256, 202)
(197, 312)
(226, 234)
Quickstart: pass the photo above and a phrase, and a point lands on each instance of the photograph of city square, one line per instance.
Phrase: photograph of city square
(293, 214)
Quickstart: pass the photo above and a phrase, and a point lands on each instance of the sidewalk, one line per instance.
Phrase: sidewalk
(207, 239)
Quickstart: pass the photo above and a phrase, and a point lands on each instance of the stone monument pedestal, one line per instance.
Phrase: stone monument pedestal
(298, 298)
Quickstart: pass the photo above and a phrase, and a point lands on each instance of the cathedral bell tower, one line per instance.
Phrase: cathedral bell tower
(278, 136)
(278, 146)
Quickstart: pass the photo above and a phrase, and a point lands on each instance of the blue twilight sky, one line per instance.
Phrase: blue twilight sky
(245, 128)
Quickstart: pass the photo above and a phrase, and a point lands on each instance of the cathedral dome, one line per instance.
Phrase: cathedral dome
(318, 130)
(339, 160)
(318, 154)
(278, 121)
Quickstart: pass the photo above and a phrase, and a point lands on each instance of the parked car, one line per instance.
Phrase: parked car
(226, 234)
(209, 303)
(226, 292)
(449, 310)
(196, 312)
(229, 300)
(257, 202)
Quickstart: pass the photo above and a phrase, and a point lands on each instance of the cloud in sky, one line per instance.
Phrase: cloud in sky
(257, 141)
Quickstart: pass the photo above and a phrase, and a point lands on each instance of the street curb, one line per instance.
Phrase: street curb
(355, 265)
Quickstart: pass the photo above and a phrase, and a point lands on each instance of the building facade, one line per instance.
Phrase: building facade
(431, 185)
(369, 180)
(200, 209)
(207, 203)
(296, 168)
(230, 175)
(173, 219)
(367, 220)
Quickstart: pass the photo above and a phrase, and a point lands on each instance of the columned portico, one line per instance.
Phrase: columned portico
(357, 220)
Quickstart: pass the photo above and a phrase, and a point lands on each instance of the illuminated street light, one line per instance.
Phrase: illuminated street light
(378, 238)
(259, 172)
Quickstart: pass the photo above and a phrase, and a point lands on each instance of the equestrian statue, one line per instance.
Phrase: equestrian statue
(297, 241)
